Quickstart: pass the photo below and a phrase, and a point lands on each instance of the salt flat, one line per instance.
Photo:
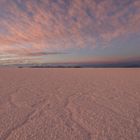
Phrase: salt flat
(69, 104)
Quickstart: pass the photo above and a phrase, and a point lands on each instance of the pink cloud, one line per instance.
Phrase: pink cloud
(45, 26)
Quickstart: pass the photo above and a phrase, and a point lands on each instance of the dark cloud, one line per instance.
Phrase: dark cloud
(45, 53)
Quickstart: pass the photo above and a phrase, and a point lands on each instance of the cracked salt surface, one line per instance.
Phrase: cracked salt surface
(69, 104)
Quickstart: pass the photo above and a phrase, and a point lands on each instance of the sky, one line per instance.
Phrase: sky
(69, 31)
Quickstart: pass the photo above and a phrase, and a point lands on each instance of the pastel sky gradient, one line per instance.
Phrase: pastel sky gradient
(69, 31)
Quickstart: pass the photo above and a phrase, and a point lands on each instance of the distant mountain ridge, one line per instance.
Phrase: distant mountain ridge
(132, 64)
(85, 65)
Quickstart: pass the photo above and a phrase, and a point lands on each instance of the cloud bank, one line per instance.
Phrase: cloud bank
(32, 26)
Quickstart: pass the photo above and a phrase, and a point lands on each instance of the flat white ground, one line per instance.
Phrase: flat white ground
(69, 104)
